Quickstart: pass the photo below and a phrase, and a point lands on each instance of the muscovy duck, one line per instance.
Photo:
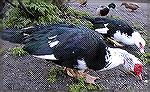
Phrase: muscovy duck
(104, 10)
(131, 6)
(73, 47)
(119, 30)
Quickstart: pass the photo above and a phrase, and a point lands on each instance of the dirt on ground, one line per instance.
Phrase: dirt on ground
(30, 73)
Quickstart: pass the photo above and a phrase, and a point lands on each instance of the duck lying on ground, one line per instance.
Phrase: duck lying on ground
(73, 47)
(119, 30)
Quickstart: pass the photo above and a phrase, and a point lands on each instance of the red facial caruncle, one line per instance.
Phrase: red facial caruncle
(138, 70)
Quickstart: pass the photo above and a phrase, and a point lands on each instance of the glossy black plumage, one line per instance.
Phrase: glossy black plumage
(103, 10)
(120, 31)
(113, 25)
(75, 43)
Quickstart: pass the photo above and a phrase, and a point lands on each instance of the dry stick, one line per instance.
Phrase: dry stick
(115, 42)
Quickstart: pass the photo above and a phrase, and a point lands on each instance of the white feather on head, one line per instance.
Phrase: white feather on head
(136, 39)
(139, 41)
(119, 56)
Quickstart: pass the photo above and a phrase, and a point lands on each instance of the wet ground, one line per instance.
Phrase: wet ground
(29, 73)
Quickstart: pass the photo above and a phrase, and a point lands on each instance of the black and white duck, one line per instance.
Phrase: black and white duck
(73, 47)
(119, 30)
(104, 10)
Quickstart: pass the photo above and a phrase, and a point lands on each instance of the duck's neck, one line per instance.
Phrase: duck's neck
(124, 38)
(126, 5)
(119, 56)
(113, 58)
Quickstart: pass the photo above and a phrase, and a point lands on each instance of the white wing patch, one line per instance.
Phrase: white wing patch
(27, 27)
(52, 37)
(50, 57)
(102, 30)
(52, 44)
(24, 34)
(81, 64)
(106, 24)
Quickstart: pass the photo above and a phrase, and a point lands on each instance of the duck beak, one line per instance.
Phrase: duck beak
(142, 50)
(139, 76)
(141, 47)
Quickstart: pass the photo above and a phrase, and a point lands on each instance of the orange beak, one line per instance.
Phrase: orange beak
(141, 47)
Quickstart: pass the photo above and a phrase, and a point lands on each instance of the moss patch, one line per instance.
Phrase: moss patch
(147, 57)
(45, 13)
(53, 74)
(18, 51)
(1, 25)
(82, 86)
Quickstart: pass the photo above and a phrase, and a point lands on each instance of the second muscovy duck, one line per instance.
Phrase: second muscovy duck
(72, 47)
(119, 30)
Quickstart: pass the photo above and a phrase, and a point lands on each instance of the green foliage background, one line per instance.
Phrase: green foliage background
(45, 12)
(1, 24)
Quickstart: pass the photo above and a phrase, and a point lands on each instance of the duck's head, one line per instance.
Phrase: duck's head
(133, 64)
(117, 56)
(139, 41)
(123, 4)
(102, 6)
(112, 5)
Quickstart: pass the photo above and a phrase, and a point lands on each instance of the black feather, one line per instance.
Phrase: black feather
(113, 25)
(104, 11)
(112, 5)
(75, 42)
(13, 35)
